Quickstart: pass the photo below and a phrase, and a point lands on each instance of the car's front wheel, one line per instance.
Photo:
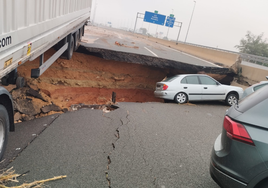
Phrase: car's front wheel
(231, 99)
(181, 98)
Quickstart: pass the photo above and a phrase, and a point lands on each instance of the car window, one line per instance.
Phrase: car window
(192, 80)
(184, 81)
(259, 87)
(207, 81)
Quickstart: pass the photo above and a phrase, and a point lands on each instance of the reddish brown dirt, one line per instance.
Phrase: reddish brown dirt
(91, 80)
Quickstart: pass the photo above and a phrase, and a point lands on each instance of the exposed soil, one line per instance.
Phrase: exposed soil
(91, 80)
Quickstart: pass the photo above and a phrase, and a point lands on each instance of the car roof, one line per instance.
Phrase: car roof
(192, 75)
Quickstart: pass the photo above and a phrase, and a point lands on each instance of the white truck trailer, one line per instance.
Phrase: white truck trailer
(28, 28)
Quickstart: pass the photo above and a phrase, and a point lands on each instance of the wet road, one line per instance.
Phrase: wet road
(122, 41)
(137, 145)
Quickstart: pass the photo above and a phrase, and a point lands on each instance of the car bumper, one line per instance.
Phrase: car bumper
(222, 179)
(218, 175)
(163, 95)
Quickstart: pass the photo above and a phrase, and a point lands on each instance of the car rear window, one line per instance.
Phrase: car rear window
(169, 79)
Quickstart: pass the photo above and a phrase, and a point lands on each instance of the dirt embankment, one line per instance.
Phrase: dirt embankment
(91, 80)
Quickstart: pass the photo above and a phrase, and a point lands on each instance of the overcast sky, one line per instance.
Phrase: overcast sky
(215, 23)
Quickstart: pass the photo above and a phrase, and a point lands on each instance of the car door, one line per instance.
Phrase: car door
(191, 86)
(211, 89)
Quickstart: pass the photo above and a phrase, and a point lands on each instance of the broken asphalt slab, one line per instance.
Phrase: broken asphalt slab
(76, 144)
(224, 75)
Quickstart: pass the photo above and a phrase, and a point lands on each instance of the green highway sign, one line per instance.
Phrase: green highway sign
(156, 11)
(171, 15)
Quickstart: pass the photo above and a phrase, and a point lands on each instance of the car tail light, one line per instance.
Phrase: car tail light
(236, 131)
(165, 87)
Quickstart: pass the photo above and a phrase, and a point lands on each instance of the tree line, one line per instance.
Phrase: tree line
(254, 45)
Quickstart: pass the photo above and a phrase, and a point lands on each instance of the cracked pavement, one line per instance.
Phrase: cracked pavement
(137, 145)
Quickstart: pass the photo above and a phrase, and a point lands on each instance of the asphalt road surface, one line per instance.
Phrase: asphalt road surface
(105, 38)
(146, 145)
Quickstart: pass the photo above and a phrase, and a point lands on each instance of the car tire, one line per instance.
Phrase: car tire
(231, 99)
(4, 127)
(181, 98)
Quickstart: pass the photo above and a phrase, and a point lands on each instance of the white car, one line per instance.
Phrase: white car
(196, 87)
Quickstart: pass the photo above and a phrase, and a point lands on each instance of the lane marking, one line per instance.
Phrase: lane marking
(192, 56)
(151, 51)
(119, 36)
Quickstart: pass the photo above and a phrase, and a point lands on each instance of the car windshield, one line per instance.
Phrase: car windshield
(169, 79)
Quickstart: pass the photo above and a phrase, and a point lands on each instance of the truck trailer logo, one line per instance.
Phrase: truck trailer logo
(5, 41)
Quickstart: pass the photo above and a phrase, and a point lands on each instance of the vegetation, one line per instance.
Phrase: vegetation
(254, 45)
(9, 175)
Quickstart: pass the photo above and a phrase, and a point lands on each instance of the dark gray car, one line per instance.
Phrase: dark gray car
(239, 157)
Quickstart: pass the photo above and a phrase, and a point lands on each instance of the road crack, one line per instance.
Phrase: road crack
(117, 135)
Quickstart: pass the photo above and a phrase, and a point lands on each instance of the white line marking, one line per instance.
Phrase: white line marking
(119, 36)
(151, 51)
(192, 56)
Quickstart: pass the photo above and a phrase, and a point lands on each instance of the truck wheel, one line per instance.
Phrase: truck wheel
(12, 76)
(70, 48)
(80, 34)
(20, 82)
(4, 127)
(76, 39)
(4, 81)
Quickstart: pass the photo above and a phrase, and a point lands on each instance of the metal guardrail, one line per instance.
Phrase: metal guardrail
(207, 47)
(259, 60)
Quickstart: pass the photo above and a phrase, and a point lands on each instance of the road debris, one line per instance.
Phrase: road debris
(30, 104)
(120, 44)
(9, 175)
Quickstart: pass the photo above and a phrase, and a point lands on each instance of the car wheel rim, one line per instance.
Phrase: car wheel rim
(2, 135)
(181, 98)
(232, 100)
